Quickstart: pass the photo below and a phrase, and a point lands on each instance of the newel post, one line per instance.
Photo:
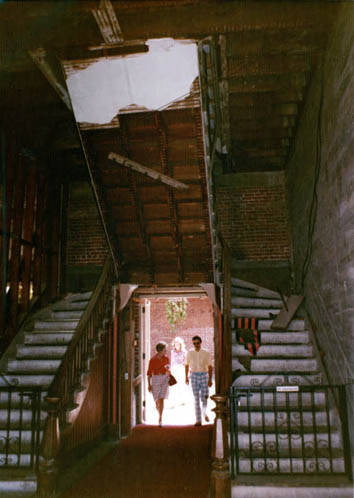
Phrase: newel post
(220, 485)
(47, 470)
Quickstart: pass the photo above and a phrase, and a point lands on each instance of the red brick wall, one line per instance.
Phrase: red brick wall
(199, 321)
(254, 221)
(86, 242)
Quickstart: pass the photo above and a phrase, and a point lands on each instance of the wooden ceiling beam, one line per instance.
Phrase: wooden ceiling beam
(272, 121)
(243, 99)
(107, 22)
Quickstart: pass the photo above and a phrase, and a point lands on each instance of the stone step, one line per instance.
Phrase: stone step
(70, 306)
(297, 465)
(282, 337)
(284, 366)
(285, 422)
(276, 351)
(39, 352)
(33, 366)
(270, 400)
(253, 289)
(19, 419)
(297, 324)
(59, 338)
(252, 302)
(284, 445)
(18, 439)
(79, 297)
(17, 400)
(55, 325)
(255, 380)
(66, 315)
(15, 460)
(18, 488)
(28, 380)
(253, 312)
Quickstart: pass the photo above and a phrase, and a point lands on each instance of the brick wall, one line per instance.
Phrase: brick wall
(329, 281)
(199, 321)
(86, 245)
(252, 215)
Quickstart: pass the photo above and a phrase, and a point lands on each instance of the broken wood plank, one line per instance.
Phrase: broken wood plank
(144, 170)
(40, 58)
(287, 313)
(107, 22)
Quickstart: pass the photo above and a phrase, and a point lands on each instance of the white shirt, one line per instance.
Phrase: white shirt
(198, 361)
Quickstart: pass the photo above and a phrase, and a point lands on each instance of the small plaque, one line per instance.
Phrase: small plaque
(287, 389)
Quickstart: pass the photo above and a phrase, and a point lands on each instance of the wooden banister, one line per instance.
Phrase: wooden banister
(220, 481)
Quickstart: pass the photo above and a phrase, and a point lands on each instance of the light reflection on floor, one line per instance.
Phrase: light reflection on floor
(179, 407)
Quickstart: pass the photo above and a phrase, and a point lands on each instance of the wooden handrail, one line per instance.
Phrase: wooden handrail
(74, 363)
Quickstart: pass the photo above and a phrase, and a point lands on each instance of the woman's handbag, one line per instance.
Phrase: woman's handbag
(172, 380)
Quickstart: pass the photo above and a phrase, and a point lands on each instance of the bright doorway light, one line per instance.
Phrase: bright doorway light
(150, 81)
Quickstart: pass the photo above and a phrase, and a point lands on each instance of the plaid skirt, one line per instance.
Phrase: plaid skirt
(159, 386)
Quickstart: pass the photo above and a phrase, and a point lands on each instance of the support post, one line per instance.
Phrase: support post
(220, 482)
(47, 471)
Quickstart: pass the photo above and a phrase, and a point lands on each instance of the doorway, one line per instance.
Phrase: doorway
(157, 322)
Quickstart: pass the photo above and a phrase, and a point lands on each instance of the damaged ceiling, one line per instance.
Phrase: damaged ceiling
(265, 53)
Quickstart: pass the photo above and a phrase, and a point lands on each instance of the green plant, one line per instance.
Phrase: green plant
(176, 311)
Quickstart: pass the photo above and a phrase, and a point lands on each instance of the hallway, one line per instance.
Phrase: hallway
(169, 461)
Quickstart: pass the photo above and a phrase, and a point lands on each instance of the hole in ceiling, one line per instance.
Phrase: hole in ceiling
(148, 81)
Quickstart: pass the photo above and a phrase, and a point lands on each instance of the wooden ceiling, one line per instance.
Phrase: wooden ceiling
(267, 52)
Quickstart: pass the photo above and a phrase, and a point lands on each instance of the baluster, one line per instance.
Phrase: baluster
(48, 470)
(220, 485)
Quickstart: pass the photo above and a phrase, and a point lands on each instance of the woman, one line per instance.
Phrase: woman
(158, 376)
(178, 356)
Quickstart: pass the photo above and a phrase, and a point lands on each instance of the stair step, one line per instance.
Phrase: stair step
(269, 400)
(17, 400)
(272, 365)
(296, 466)
(297, 324)
(33, 366)
(15, 460)
(282, 337)
(19, 419)
(284, 422)
(18, 439)
(39, 352)
(55, 325)
(48, 338)
(70, 306)
(66, 314)
(83, 296)
(253, 312)
(276, 351)
(24, 380)
(252, 380)
(18, 488)
(251, 302)
(272, 446)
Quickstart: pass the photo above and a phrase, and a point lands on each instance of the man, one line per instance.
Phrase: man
(199, 362)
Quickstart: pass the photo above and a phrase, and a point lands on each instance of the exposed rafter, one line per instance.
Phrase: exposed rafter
(107, 22)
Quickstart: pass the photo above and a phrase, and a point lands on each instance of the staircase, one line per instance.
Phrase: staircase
(32, 361)
(286, 418)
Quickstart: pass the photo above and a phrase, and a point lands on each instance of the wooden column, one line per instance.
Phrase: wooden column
(47, 472)
(220, 481)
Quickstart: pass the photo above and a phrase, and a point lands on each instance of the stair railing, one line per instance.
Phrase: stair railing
(68, 379)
